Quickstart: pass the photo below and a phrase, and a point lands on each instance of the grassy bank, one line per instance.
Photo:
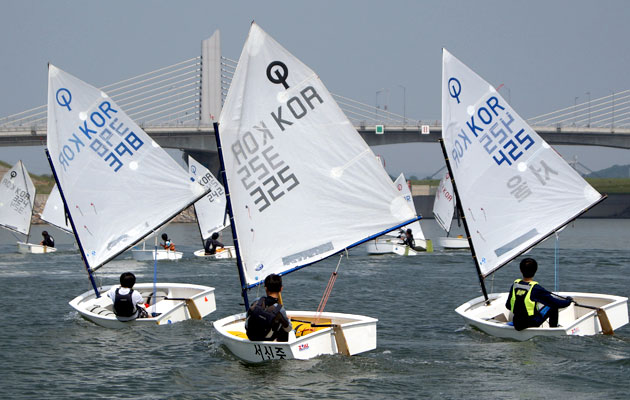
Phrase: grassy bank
(602, 185)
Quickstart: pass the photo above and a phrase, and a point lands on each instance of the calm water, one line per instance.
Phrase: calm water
(424, 349)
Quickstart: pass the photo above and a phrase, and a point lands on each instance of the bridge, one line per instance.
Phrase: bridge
(177, 104)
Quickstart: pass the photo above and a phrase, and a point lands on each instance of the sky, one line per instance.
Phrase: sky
(545, 53)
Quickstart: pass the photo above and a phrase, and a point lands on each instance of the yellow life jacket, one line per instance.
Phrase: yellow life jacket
(521, 297)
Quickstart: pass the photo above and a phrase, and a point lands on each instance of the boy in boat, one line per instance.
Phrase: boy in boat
(167, 244)
(212, 244)
(128, 304)
(266, 318)
(407, 238)
(531, 303)
(48, 240)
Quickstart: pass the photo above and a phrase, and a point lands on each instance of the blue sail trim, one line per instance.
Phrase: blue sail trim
(253, 285)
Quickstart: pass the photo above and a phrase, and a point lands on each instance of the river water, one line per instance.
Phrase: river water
(424, 349)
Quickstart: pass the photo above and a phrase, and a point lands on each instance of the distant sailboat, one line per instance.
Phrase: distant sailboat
(210, 210)
(119, 186)
(443, 210)
(17, 199)
(390, 243)
(301, 185)
(513, 192)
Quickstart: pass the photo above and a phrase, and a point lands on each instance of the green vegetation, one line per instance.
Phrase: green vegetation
(610, 185)
(602, 185)
(43, 183)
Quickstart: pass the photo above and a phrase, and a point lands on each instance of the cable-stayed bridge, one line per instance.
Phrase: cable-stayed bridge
(177, 104)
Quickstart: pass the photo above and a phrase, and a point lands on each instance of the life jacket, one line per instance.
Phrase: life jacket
(521, 303)
(260, 319)
(168, 245)
(123, 304)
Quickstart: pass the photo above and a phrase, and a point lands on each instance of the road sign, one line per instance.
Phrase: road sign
(379, 129)
(425, 129)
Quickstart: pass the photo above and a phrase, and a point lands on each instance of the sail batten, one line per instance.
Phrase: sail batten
(513, 188)
(360, 242)
(303, 183)
(117, 183)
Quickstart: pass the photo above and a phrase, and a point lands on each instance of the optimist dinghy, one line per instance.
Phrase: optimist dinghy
(390, 243)
(301, 185)
(118, 187)
(210, 210)
(513, 191)
(17, 198)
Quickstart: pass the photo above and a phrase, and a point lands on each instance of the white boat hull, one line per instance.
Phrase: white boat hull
(150, 255)
(224, 253)
(359, 333)
(452, 243)
(393, 246)
(31, 248)
(100, 310)
(492, 319)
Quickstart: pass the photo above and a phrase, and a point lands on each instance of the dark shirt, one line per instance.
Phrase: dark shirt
(48, 241)
(211, 246)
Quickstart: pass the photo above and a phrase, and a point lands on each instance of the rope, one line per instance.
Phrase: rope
(556, 283)
(155, 255)
(328, 290)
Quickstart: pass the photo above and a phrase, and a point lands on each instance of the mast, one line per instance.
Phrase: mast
(31, 203)
(74, 229)
(463, 216)
(239, 262)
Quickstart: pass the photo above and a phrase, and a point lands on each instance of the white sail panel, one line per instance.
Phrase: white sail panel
(210, 209)
(17, 197)
(444, 203)
(403, 188)
(118, 183)
(303, 183)
(54, 212)
(513, 187)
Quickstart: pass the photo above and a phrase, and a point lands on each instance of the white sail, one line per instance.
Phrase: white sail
(513, 187)
(210, 210)
(54, 212)
(303, 183)
(17, 197)
(444, 203)
(403, 188)
(118, 184)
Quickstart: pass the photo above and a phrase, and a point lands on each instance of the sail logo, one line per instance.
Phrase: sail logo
(263, 173)
(110, 138)
(492, 125)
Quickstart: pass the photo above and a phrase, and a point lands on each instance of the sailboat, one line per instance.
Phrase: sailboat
(390, 243)
(154, 253)
(443, 211)
(210, 210)
(513, 191)
(118, 187)
(301, 186)
(17, 198)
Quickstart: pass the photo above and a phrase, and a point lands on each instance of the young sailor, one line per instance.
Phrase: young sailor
(266, 318)
(531, 303)
(48, 240)
(212, 244)
(128, 304)
(167, 244)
